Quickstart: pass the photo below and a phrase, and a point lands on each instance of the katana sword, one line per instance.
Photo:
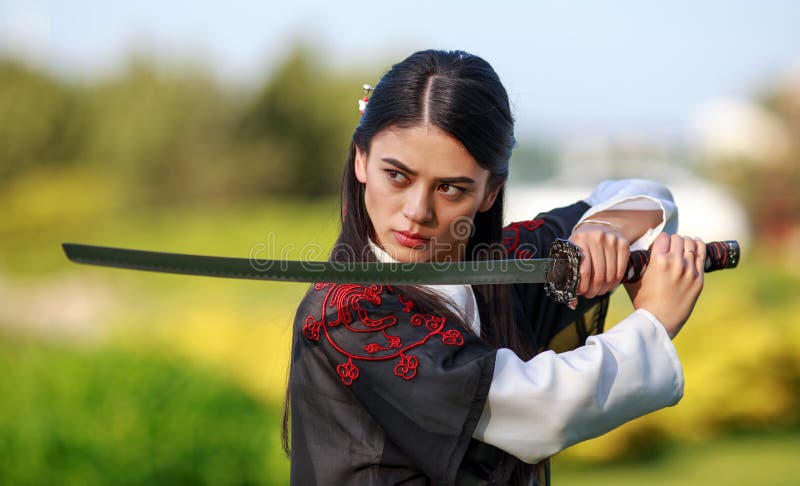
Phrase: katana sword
(560, 272)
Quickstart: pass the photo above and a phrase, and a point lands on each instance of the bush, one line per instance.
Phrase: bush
(110, 416)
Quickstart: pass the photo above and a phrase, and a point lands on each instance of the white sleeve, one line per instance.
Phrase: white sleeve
(635, 194)
(537, 408)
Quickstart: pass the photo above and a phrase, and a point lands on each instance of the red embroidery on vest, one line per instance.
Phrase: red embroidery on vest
(532, 224)
(348, 372)
(452, 337)
(432, 323)
(373, 348)
(407, 303)
(339, 303)
(311, 328)
(407, 367)
(511, 241)
(392, 342)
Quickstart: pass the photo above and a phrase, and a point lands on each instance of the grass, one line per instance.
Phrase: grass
(111, 415)
(765, 459)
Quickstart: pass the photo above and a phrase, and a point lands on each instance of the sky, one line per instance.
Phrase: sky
(570, 67)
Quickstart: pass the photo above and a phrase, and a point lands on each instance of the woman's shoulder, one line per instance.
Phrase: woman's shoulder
(360, 326)
(372, 306)
(355, 297)
(532, 238)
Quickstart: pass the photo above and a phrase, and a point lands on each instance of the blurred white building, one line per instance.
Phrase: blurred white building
(704, 209)
(739, 130)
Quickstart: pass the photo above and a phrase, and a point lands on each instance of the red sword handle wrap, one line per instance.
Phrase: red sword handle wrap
(719, 255)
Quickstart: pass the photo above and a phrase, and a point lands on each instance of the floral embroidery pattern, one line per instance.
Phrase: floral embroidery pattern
(407, 367)
(407, 303)
(347, 372)
(432, 323)
(342, 308)
(311, 328)
(452, 337)
(393, 342)
(511, 238)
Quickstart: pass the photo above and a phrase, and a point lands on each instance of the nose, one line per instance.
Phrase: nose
(418, 206)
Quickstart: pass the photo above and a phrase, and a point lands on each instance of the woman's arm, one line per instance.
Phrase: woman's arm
(634, 196)
(631, 224)
(539, 407)
(625, 215)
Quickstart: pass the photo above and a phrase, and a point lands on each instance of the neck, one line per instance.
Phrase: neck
(380, 254)
(383, 256)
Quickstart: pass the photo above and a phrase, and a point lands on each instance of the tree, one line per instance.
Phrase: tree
(307, 115)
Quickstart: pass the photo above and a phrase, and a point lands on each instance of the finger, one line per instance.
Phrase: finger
(700, 257)
(585, 271)
(573, 304)
(611, 268)
(690, 255)
(689, 245)
(623, 255)
(610, 249)
(676, 245)
(661, 245)
(598, 271)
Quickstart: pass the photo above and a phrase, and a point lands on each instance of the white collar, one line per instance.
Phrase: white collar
(380, 253)
(460, 296)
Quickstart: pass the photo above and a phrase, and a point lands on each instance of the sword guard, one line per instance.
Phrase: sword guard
(561, 283)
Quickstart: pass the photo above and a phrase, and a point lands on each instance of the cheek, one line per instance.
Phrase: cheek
(369, 203)
(378, 201)
(457, 223)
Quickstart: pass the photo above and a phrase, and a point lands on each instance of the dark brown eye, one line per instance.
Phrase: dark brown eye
(451, 190)
(396, 176)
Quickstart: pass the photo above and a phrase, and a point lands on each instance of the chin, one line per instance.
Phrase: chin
(410, 255)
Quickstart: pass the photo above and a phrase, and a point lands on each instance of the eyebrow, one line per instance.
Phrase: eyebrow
(445, 180)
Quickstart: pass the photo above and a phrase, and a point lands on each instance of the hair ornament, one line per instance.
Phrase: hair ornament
(362, 103)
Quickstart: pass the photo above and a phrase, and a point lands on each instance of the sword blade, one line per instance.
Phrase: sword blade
(444, 273)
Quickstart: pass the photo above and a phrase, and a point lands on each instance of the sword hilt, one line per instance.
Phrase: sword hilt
(564, 274)
(719, 256)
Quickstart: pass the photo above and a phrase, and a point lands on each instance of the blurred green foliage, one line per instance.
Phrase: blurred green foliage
(309, 117)
(114, 416)
(41, 120)
(738, 459)
(178, 135)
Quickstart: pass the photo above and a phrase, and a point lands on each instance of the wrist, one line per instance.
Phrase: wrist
(665, 320)
(599, 222)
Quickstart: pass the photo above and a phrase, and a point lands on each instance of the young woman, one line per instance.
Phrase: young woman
(460, 384)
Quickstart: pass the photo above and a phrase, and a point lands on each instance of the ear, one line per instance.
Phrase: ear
(361, 166)
(489, 198)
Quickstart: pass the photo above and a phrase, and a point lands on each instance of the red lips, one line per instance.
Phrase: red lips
(410, 240)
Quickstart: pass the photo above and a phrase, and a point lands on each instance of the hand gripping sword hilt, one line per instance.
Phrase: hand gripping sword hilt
(564, 275)
(719, 256)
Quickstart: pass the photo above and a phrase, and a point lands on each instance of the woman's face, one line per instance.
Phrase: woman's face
(423, 189)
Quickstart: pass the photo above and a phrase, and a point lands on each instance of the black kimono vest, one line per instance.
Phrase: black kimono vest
(382, 393)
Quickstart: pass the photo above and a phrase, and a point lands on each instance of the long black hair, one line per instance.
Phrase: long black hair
(461, 94)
